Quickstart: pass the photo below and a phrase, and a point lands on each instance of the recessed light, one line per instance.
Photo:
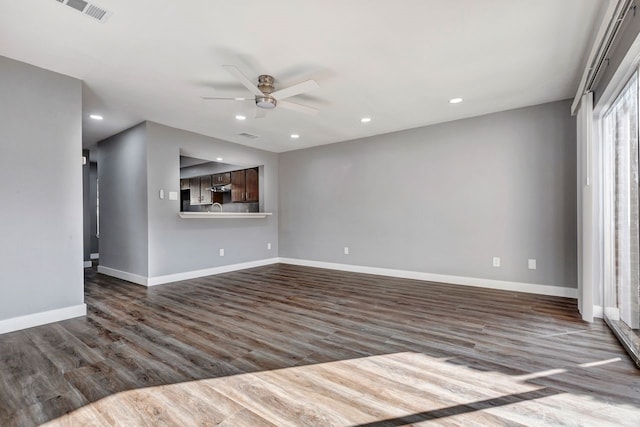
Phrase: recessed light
(455, 100)
(96, 117)
(219, 159)
(295, 136)
(365, 119)
(239, 99)
(241, 117)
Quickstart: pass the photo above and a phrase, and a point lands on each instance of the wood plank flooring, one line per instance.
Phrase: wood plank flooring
(283, 345)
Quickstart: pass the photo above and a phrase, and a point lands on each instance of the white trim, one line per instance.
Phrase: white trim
(598, 312)
(159, 280)
(42, 318)
(95, 256)
(129, 277)
(87, 264)
(531, 288)
(169, 278)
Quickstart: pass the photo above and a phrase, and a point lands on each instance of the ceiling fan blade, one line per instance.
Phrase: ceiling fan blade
(235, 72)
(299, 108)
(295, 89)
(261, 113)
(226, 99)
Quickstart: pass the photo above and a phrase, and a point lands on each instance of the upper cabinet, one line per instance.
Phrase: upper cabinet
(222, 178)
(251, 185)
(200, 190)
(244, 185)
(205, 190)
(238, 180)
(194, 187)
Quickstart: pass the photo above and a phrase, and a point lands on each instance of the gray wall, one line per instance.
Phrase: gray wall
(122, 171)
(40, 168)
(441, 199)
(179, 245)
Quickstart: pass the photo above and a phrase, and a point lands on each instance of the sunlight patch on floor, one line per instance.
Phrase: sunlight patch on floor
(390, 388)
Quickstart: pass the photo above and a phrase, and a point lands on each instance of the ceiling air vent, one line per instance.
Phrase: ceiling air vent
(89, 9)
(248, 135)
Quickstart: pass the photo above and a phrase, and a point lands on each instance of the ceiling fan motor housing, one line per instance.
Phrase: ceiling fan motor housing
(265, 84)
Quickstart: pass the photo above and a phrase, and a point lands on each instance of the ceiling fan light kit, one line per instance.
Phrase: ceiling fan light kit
(267, 102)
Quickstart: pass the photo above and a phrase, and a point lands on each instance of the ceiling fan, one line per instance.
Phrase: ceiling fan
(265, 95)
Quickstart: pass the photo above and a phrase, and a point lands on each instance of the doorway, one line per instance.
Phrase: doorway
(94, 212)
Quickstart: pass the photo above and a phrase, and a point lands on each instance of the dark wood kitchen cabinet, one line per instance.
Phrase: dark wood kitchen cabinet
(200, 190)
(205, 190)
(251, 185)
(222, 178)
(244, 185)
(238, 183)
(194, 191)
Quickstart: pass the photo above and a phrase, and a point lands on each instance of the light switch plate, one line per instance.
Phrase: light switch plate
(173, 195)
(496, 261)
(532, 264)
(346, 250)
(221, 252)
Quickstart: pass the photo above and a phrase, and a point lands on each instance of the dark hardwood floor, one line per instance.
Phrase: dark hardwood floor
(285, 346)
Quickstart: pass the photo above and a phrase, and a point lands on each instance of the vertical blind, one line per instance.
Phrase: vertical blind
(621, 134)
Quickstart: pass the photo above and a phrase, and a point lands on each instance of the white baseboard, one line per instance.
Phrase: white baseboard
(129, 277)
(613, 313)
(598, 312)
(95, 256)
(87, 264)
(530, 288)
(160, 280)
(42, 318)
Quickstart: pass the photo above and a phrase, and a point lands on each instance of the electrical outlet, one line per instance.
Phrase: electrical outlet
(346, 250)
(268, 246)
(532, 264)
(221, 252)
(173, 195)
(496, 261)
(161, 194)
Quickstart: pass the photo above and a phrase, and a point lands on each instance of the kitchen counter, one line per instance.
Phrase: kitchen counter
(220, 215)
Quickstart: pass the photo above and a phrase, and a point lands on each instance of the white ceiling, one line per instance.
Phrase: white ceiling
(398, 62)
